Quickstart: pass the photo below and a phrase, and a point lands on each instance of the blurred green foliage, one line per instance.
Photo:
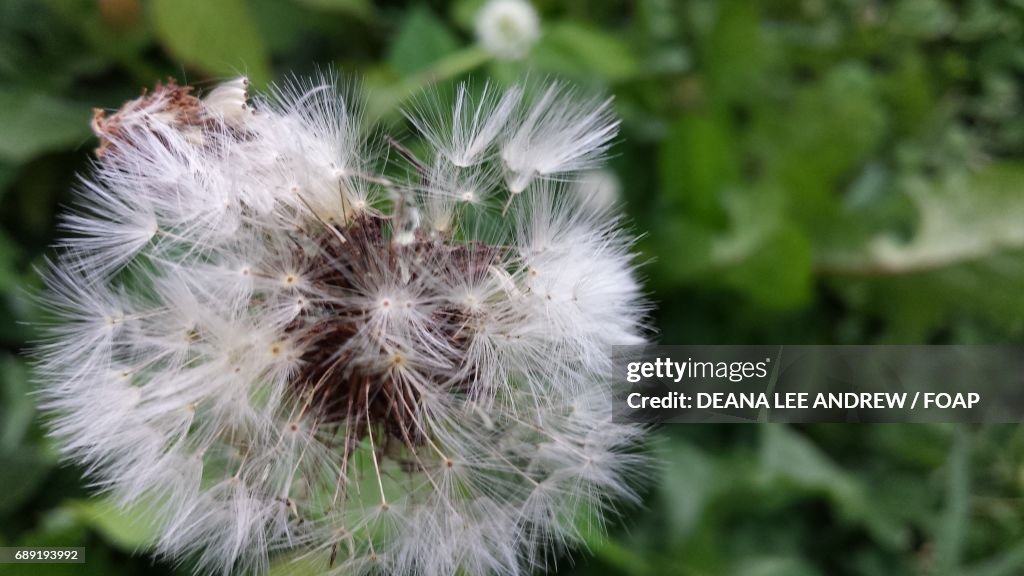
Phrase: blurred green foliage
(812, 171)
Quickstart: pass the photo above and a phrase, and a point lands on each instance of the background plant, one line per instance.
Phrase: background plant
(809, 172)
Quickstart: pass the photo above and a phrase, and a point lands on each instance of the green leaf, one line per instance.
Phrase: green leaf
(573, 48)
(219, 38)
(762, 255)
(735, 51)
(965, 217)
(422, 40)
(36, 123)
(788, 455)
(909, 90)
(966, 257)
(689, 478)
(697, 163)
(832, 129)
(777, 274)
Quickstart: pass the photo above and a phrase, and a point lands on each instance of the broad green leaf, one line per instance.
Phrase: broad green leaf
(422, 40)
(219, 38)
(36, 123)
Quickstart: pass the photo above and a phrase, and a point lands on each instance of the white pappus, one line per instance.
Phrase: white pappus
(288, 348)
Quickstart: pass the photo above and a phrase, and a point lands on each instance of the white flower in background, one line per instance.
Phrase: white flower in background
(507, 28)
(282, 352)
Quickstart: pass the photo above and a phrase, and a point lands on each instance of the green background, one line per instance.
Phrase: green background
(804, 171)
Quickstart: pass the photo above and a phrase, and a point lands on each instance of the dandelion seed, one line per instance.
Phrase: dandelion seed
(285, 353)
(560, 135)
(464, 134)
(230, 100)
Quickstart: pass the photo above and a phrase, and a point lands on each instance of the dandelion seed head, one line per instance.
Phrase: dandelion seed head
(508, 28)
(282, 352)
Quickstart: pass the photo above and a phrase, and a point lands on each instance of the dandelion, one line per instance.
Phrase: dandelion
(279, 348)
(507, 28)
